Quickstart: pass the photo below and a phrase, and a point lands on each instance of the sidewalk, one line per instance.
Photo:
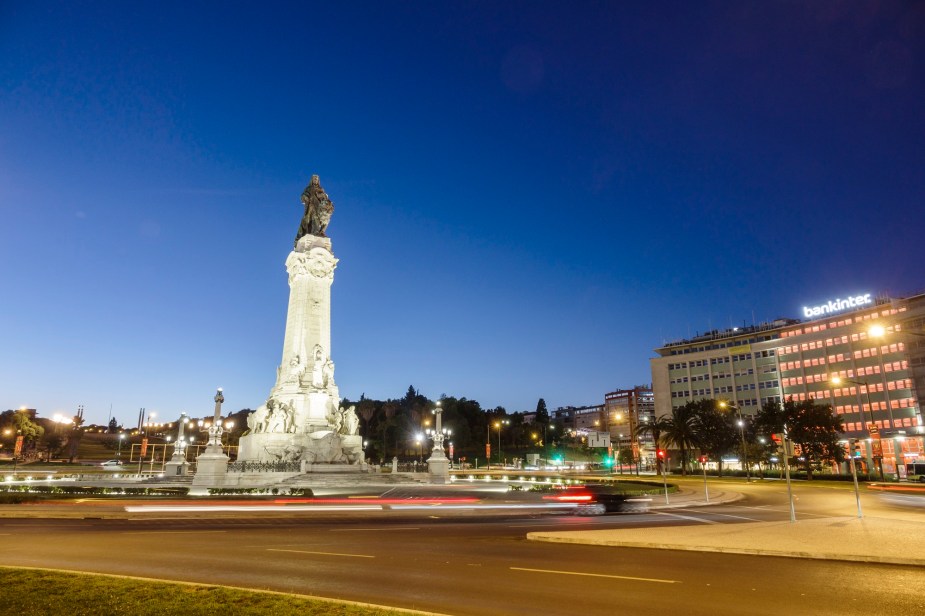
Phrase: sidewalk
(870, 539)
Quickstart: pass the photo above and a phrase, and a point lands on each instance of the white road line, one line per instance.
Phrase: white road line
(686, 517)
(350, 530)
(726, 515)
(321, 553)
(601, 575)
(799, 513)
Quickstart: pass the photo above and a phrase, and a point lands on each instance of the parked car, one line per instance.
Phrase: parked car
(598, 499)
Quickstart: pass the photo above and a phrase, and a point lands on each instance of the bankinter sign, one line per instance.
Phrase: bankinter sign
(836, 305)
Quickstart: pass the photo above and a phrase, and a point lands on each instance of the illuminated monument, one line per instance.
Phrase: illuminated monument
(301, 421)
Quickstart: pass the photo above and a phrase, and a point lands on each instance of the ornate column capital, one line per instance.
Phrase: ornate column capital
(318, 263)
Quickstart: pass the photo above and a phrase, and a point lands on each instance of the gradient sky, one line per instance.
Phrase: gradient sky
(530, 196)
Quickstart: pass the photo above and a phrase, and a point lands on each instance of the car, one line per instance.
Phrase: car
(111, 464)
(598, 499)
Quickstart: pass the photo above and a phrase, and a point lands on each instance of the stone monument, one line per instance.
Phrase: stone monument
(438, 464)
(302, 421)
(212, 464)
(178, 465)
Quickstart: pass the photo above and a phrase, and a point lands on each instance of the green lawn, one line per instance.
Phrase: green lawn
(34, 592)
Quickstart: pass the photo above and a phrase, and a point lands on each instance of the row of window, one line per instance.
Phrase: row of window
(888, 366)
(901, 403)
(859, 426)
(725, 389)
(721, 345)
(714, 361)
(812, 329)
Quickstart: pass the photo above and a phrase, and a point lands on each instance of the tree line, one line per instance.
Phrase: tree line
(715, 429)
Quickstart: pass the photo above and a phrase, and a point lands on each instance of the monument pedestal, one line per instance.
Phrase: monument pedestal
(211, 469)
(177, 467)
(439, 468)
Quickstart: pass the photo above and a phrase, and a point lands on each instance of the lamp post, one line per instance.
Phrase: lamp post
(121, 438)
(837, 380)
(498, 425)
(741, 423)
(438, 464)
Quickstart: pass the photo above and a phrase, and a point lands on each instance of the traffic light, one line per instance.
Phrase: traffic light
(854, 448)
(660, 453)
(703, 459)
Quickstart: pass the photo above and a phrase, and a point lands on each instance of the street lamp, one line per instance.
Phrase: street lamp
(545, 442)
(724, 404)
(121, 438)
(498, 425)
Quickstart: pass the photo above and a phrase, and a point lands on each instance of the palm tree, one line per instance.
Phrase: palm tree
(656, 429)
(681, 430)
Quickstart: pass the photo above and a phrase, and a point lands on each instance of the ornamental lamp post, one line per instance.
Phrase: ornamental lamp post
(214, 446)
(498, 425)
(741, 423)
(438, 464)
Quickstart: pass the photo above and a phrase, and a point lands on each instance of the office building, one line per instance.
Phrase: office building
(876, 346)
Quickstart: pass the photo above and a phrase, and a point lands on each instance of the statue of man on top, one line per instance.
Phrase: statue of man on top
(318, 210)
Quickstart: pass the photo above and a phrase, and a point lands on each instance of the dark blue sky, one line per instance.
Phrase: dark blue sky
(530, 196)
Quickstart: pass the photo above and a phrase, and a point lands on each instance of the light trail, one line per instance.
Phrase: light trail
(405, 506)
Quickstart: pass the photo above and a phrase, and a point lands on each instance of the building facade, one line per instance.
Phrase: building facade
(625, 410)
(865, 357)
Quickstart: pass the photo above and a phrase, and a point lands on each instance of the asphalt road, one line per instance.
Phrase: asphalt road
(483, 566)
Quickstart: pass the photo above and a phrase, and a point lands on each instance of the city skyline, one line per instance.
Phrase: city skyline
(530, 198)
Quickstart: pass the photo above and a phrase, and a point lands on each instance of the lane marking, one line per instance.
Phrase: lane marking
(600, 575)
(799, 513)
(170, 532)
(321, 553)
(686, 517)
(348, 530)
(726, 515)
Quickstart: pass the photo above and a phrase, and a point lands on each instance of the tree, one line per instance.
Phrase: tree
(654, 428)
(19, 423)
(681, 430)
(113, 425)
(74, 437)
(542, 413)
(52, 444)
(813, 427)
(716, 431)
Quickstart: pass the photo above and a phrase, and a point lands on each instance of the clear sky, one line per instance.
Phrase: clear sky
(530, 196)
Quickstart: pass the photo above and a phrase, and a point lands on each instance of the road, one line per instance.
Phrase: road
(484, 566)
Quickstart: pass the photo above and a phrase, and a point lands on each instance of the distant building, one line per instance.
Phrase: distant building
(876, 345)
(625, 410)
(580, 417)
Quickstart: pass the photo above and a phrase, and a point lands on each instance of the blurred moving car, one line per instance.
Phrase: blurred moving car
(112, 464)
(598, 499)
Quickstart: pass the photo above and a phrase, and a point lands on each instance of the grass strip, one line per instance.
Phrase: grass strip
(40, 592)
